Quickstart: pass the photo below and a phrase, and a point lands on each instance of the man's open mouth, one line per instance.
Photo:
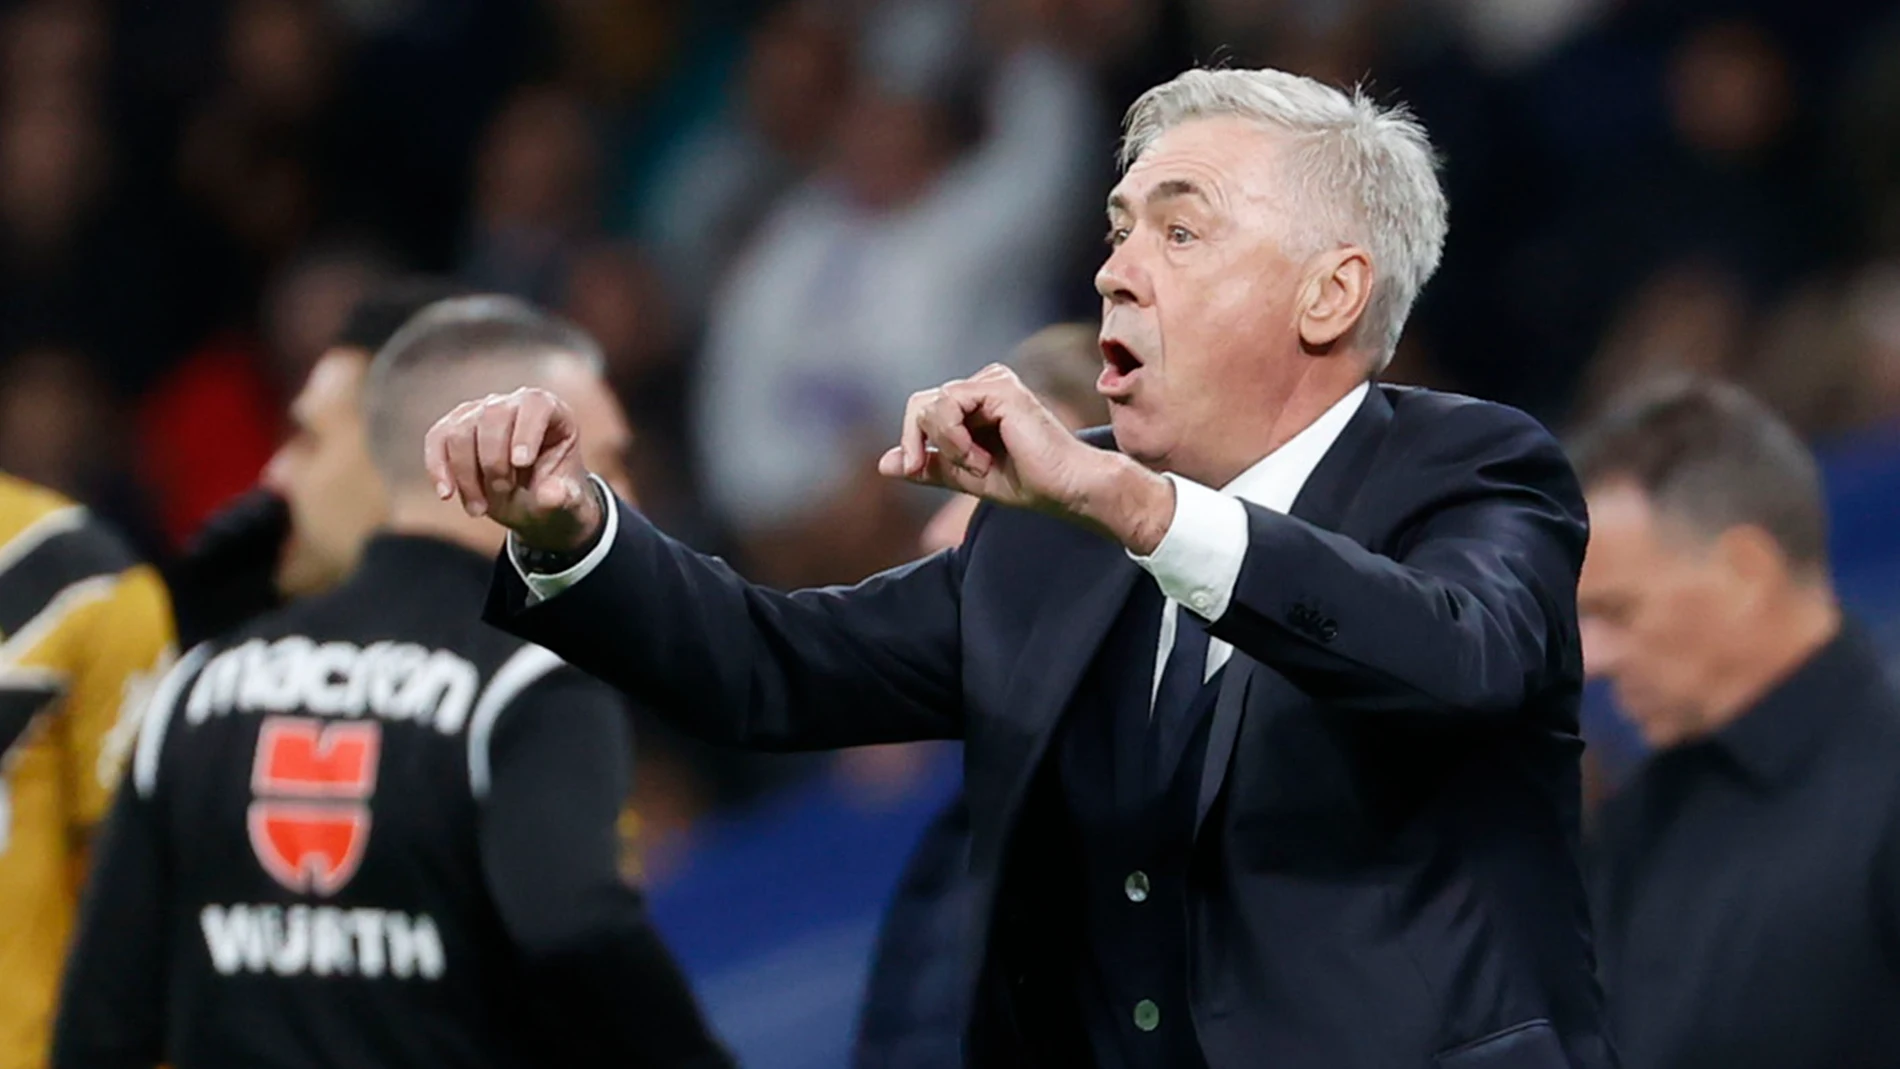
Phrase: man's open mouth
(1119, 365)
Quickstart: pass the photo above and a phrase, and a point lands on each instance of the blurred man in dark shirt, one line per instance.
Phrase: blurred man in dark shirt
(1749, 875)
(366, 829)
(303, 529)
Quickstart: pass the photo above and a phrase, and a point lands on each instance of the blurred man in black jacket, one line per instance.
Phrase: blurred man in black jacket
(1749, 875)
(367, 829)
(303, 529)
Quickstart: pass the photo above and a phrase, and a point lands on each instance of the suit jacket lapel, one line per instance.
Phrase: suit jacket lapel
(1322, 502)
(1072, 622)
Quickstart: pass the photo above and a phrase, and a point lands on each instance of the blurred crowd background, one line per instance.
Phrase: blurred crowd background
(780, 218)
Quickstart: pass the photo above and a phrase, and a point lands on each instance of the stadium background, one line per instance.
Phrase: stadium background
(779, 217)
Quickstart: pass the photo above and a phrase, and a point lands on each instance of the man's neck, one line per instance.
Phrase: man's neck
(425, 515)
(1312, 397)
(1772, 652)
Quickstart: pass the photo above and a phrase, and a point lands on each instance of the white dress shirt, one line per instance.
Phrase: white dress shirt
(1199, 558)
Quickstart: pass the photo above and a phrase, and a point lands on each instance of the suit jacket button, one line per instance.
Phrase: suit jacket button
(1136, 886)
(1328, 631)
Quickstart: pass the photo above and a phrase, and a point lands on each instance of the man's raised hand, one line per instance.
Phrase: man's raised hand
(989, 435)
(514, 457)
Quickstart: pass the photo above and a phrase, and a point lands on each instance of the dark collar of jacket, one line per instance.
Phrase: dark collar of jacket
(1773, 742)
(402, 558)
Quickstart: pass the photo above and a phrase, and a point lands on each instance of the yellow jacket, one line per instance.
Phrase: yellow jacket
(85, 632)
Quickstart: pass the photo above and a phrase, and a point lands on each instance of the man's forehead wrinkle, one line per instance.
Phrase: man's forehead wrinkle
(1173, 178)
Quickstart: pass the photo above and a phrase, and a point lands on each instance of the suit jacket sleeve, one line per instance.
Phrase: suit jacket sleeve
(1473, 612)
(740, 664)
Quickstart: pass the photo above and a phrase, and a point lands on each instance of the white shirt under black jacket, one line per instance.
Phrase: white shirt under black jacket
(1199, 558)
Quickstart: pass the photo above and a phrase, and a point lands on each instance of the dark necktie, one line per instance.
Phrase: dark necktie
(1181, 681)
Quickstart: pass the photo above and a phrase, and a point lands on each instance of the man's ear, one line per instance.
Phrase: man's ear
(1334, 298)
(1755, 562)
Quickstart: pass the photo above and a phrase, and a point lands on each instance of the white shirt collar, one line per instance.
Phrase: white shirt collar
(1277, 478)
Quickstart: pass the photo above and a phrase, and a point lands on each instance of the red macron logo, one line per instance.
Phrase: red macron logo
(310, 822)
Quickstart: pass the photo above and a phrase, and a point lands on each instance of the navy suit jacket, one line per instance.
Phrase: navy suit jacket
(1385, 867)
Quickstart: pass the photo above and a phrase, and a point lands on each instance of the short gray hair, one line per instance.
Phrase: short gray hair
(1710, 455)
(1365, 172)
(452, 351)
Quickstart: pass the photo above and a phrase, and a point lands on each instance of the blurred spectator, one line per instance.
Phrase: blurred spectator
(52, 162)
(204, 432)
(318, 501)
(281, 57)
(1061, 363)
(1866, 149)
(254, 158)
(616, 295)
(55, 422)
(535, 195)
(1749, 875)
(1804, 361)
(713, 190)
(71, 266)
(308, 306)
(1669, 146)
(618, 48)
(1512, 34)
(917, 256)
(52, 52)
(1690, 318)
(207, 428)
(1872, 308)
(1334, 40)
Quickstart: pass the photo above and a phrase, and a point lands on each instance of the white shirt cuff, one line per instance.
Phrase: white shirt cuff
(542, 587)
(1198, 561)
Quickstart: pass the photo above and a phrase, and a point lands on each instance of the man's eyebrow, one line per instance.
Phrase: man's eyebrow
(1174, 187)
(1166, 190)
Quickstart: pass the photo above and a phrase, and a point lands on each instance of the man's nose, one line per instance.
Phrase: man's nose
(276, 474)
(1121, 280)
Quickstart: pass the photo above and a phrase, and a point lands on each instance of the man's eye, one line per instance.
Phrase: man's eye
(1180, 235)
(1116, 235)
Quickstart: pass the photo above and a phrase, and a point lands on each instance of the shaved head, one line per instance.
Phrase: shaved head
(454, 350)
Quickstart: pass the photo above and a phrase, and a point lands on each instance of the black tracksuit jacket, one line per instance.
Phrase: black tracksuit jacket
(368, 830)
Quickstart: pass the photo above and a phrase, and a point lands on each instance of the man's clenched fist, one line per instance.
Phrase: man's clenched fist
(515, 458)
(990, 436)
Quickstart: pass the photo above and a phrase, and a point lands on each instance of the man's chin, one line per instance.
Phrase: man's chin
(1135, 435)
